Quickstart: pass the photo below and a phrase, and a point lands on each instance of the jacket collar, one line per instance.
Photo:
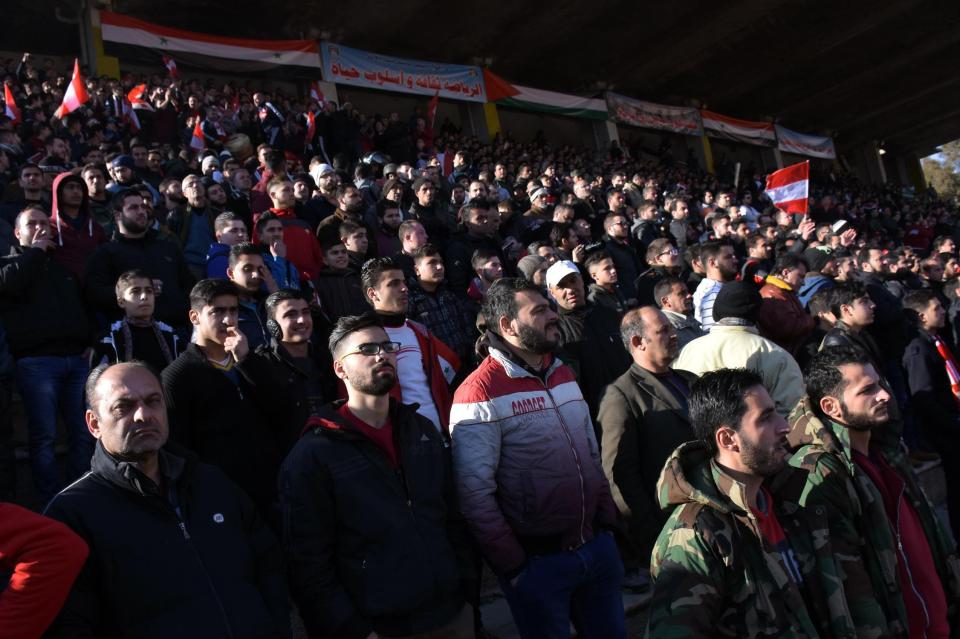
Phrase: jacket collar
(513, 365)
(651, 384)
(776, 281)
(809, 428)
(127, 476)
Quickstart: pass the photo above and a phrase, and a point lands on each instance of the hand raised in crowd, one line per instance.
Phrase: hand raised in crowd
(42, 240)
(807, 228)
(848, 237)
(278, 248)
(579, 253)
(236, 344)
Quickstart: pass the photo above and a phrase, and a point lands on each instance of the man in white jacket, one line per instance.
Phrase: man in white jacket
(735, 342)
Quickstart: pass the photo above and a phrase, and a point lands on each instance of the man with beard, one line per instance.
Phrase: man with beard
(428, 211)
(325, 200)
(759, 260)
(173, 543)
(899, 567)
(642, 419)
(381, 549)
(663, 260)
(674, 299)
(735, 558)
(426, 366)
(589, 334)
(124, 172)
(136, 246)
(387, 234)
(529, 476)
(350, 208)
(720, 264)
(98, 199)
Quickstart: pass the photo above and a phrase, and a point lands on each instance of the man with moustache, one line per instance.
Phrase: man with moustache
(900, 569)
(663, 258)
(643, 418)
(735, 557)
(374, 539)
(675, 300)
(720, 264)
(529, 477)
(173, 543)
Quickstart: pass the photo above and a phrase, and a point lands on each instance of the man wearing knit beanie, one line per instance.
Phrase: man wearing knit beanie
(821, 269)
(735, 342)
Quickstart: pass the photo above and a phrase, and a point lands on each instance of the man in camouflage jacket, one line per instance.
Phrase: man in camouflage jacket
(716, 570)
(859, 529)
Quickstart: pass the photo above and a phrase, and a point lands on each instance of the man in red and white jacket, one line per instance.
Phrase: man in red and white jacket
(528, 473)
(425, 365)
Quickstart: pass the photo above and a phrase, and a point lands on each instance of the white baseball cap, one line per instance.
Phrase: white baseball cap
(560, 270)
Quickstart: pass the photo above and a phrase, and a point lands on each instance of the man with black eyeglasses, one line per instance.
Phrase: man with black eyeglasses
(664, 261)
(374, 538)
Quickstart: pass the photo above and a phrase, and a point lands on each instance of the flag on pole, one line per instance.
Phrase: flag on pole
(198, 142)
(789, 188)
(311, 128)
(130, 115)
(432, 108)
(316, 93)
(10, 106)
(171, 67)
(76, 94)
(137, 98)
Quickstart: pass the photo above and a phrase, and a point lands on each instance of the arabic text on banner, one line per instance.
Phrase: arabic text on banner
(650, 115)
(344, 65)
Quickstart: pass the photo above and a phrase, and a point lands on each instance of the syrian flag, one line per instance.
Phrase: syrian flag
(129, 115)
(136, 98)
(198, 142)
(75, 96)
(789, 188)
(10, 106)
(311, 128)
(316, 93)
(171, 67)
(432, 108)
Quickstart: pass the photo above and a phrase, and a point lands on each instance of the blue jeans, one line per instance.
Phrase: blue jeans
(582, 586)
(52, 386)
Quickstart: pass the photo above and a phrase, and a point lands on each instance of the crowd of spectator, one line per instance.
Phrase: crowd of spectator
(347, 363)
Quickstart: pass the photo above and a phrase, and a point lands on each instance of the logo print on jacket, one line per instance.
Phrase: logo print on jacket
(528, 405)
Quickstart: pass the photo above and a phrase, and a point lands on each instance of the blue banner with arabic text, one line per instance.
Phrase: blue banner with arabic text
(343, 65)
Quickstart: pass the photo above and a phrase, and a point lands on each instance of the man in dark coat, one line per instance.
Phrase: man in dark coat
(175, 547)
(643, 418)
(372, 528)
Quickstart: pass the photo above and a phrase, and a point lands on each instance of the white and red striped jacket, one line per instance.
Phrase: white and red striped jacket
(526, 461)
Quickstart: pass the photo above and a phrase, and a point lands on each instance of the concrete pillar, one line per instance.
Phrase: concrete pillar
(605, 132)
(492, 118)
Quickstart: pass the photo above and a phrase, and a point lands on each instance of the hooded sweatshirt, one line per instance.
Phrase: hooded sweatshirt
(75, 237)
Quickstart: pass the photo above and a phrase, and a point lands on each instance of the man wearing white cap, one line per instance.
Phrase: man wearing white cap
(327, 181)
(589, 334)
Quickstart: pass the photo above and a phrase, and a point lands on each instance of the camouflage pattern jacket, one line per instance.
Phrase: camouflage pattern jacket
(715, 575)
(860, 531)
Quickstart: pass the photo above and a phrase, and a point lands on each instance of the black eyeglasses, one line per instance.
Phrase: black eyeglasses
(374, 348)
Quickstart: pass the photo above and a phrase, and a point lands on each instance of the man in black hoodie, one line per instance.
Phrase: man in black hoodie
(48, 333)
(338, 284)
(174, 544)
(373, 533)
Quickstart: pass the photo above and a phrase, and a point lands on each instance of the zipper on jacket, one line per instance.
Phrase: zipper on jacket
(576, 459)
(906, 564)
(206, 573)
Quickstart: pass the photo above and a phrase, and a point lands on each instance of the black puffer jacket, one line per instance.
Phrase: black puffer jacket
(213, 570)
(41, 305)
(340, 293)
(368, 547)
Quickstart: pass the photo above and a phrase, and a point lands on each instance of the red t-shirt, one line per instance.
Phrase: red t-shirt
(382, 437)
(920, 584)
